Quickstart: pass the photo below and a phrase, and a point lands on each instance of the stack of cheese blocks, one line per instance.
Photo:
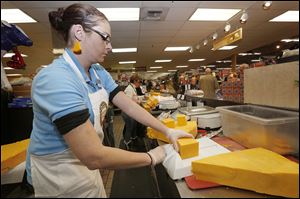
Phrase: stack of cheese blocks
(151, 103)
(13, 154)
(254, 169)
(187, 126)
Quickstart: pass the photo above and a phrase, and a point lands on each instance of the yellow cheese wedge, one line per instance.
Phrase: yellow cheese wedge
(188, 147)
(169, 122)
(255, 169)
(181, 120)
(13, 154)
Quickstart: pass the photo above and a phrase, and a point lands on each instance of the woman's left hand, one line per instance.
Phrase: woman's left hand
(174, 134)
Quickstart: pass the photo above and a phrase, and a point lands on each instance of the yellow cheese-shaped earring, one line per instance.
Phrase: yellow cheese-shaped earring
(76, 48)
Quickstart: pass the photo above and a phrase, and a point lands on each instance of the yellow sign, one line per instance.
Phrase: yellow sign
(228, 39)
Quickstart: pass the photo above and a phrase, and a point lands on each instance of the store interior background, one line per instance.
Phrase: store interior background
(172, 28)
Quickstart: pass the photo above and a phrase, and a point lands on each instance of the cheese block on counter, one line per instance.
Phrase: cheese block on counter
(169, 122)
(190, 127)
(13, 154)
(181, 120)
(256, 169)
(188, 147)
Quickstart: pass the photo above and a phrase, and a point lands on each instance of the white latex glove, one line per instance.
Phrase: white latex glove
(174, 134)
(157, 155)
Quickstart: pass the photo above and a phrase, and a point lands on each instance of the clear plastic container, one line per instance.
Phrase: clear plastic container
(257, 126)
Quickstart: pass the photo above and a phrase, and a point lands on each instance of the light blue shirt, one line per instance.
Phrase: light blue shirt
(56, 92)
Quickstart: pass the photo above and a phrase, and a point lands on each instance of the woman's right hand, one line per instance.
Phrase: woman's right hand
(157, 154)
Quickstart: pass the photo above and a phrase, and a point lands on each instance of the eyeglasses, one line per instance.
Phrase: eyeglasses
(104, 36)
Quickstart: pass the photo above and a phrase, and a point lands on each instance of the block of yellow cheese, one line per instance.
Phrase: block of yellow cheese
(181, 120)
(256, 169)
(169, 122)
(188, 147)
(190, 127)
(13, 154)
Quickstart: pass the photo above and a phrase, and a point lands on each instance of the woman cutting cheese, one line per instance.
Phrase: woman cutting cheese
(70, 99)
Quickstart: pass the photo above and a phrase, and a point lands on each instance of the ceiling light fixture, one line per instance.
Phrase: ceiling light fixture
(12, 54)
(208, 14)
(127, 62)
(288, 16)
(16, 16)
(290, 40)
(267, 5)
(162, 60)
(205, 42)
(227, 47)
(121, 14)
(198, 46)
(181, 66)
(155, 67)
(123, 50)
(244, 17)
(196, 59)
(227, 28)
(215, 36)
(191, 50)
(182, 48)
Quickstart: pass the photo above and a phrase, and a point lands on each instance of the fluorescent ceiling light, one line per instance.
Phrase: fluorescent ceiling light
(123, 50)
(203, 14)
(255, 60)
(290, 40)
(13, 75)
(8, 68)
(151, 71)
(155, 67)
(181, 66)
(182, 48)
(121, 14)
(227, 47)
(127, 62)
(211, 66)
(288, 16)
(58, 51)
(196, 59)
(11, 54)
(244, 54)
(172, 70)
(16, 16)
(163, 60)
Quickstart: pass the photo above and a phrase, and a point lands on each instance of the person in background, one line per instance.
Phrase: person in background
(194, 85)
(233, 77)
(70, 99)
(170, 87)
(132, 128)
(162, 87)
(209, 84)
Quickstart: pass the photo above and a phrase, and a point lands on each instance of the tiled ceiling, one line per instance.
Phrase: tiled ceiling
(151, 37)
